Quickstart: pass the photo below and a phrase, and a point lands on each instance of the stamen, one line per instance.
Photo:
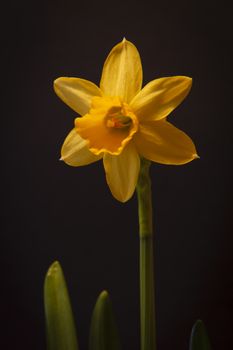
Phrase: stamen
(118, 122)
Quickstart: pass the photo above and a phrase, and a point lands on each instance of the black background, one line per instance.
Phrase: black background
(52, 211)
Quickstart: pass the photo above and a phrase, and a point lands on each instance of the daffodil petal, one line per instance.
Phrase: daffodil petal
(76, 93)
(75, 152)
(160, 97)
(122, 172)
(163, 143)
(122, 72)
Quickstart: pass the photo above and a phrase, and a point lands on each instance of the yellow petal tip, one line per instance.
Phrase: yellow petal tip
(196, 156)
(190, 79)
(61, 159)
(56, 81)
(57, 85)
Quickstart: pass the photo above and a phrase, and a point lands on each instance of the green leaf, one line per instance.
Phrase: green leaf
(60, 328)
(103, 330)
(199, 339)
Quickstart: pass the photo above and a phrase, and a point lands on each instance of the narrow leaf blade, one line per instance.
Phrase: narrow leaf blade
(60, 328)
(199, 339)
(103, 330)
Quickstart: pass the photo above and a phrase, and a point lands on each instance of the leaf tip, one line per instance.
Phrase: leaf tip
(104, 294)
(54, 268)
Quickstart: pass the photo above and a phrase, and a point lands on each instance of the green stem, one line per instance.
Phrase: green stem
(147, 294)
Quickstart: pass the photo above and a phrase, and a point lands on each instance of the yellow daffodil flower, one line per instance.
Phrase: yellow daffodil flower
(121, 121)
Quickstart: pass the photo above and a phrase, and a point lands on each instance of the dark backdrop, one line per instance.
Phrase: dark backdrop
(52, 211)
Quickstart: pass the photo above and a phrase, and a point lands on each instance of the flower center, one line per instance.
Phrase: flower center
(108, 127)
(118, 121)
